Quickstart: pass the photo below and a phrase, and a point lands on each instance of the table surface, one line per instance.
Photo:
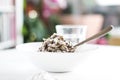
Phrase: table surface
(100, 64)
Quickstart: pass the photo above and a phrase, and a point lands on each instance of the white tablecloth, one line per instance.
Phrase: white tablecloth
(100, 64)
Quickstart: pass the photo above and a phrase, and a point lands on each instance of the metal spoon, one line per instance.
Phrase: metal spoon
(101, 33)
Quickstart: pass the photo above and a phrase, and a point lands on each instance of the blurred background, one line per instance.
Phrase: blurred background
(23, 21)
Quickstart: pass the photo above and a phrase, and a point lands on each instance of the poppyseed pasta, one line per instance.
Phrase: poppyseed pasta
(56, 43)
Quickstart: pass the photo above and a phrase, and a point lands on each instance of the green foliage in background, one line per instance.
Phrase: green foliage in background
(38, 27)
(34, 30)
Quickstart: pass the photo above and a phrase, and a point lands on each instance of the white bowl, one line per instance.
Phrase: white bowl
(54, 61)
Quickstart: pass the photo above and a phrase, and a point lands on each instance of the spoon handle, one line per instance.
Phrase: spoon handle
(101, 33)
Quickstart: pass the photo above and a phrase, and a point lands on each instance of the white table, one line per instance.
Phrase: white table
(100, 64)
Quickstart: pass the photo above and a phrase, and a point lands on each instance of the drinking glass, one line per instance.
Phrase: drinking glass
(72, 33)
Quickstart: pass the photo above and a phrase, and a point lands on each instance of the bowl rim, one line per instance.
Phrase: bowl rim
(23, 44)
(76, 52)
